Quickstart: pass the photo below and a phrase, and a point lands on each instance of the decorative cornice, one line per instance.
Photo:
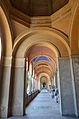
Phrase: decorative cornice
(64, 58)
(20, 17)
(16, 14)
(75, 56)
(39, 20)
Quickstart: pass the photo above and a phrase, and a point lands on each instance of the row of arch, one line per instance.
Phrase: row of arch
(14, 53)
(7, 33)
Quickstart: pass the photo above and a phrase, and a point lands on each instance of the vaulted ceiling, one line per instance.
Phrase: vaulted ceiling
(38, 7)
(43, 60)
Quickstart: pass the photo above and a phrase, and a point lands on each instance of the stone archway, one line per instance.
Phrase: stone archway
(6, 57)
(23, 42)
(60, 44)
(33, 36)
(41, 75)
(6, 34)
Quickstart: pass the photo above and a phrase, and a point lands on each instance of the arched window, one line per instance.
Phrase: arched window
(0, 48)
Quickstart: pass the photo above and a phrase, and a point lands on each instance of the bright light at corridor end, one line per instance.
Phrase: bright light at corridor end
(0, 47)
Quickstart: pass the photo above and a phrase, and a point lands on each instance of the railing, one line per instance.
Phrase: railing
(30, 97)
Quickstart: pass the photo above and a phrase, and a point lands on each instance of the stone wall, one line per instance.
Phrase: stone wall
(75, 64)
(66, 88)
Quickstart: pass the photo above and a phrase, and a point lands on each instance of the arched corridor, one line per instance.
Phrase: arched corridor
(39, 59)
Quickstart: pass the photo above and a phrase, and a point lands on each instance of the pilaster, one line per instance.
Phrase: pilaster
(75, 72)
(66, 88)
(5, 85)
(18, 86)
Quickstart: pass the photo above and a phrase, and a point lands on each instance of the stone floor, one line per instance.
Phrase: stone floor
(43, 107)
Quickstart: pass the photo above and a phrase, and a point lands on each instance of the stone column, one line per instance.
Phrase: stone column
(32, 83)
(0, 72)
(38, 83)
(52, 81)
(5, 84)
(75, 73)
(66, 88)
(35, 84)
(26, 74)
(49, 83)
(30, 75)
(30, 87)
(56, 83)
(18, 87)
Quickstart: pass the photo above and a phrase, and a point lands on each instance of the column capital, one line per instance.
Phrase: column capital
(61, 58)
(74, 56)
(18, 62)
(6, 61)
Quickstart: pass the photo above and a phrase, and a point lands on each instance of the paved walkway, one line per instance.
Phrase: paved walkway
(43, 107)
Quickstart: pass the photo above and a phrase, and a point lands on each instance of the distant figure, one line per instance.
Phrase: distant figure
(52, 94)
(57, 95)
